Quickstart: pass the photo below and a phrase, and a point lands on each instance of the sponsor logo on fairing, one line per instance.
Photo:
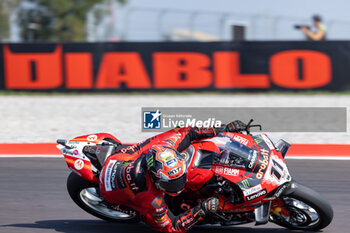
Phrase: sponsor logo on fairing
(219, 169)
(256, 195)
(268, 142)
(253, 159)
(78, 164)
(231, 171)
(252, 190)
(241, 139)
(263, 166)
(281, 190)
(91, 138)
(258, 140)
(245, 183)
(67, 152)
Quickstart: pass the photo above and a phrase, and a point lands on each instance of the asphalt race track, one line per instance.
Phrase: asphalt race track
(33, 198)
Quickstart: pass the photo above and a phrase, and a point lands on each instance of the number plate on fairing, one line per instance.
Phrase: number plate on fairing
(264, 168)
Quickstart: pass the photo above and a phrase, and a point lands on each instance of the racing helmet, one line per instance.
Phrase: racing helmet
(167, 168)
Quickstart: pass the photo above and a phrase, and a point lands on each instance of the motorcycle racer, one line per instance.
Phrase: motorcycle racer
(135, 178)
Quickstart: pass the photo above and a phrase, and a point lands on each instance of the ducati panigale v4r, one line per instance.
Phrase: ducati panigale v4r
(246, 172)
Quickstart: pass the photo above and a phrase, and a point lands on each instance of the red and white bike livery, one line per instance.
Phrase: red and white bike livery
(247, 173)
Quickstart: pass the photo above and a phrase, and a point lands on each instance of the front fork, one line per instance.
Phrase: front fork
(277, 208)
(277, 205)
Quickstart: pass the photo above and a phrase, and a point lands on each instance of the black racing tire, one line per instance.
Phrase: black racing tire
(315, 200)
(76, 185)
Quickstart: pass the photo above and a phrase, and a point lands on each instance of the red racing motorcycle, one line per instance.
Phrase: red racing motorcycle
(246, 172)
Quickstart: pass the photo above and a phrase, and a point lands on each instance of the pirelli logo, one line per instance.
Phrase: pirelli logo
(58, 66)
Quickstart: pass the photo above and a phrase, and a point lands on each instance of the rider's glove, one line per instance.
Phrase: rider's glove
(210, 205)
(235, 126)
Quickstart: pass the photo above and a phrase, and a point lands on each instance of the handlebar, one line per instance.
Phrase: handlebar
(249, 125)
(63, 142)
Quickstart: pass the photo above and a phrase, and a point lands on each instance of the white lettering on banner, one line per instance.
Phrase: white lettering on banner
(268, 142)
(107, 181)
(210, 122)
(241, 139)
(231, 171)
(252, 190)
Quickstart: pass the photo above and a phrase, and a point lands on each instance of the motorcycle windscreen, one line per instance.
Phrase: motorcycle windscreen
(237, 161)
(234, 153)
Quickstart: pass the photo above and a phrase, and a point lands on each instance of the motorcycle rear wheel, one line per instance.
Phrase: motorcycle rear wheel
(308, 209)
(86, 195)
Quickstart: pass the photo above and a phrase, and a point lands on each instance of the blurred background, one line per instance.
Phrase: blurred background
(157, 20)
(198, 53)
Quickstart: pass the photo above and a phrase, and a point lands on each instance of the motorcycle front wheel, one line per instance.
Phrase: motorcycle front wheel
(86, 195)
(308, 210)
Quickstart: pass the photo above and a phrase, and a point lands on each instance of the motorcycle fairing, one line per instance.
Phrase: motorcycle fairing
(77, 161)
(199, 168)
(261, 168)
(93, 138)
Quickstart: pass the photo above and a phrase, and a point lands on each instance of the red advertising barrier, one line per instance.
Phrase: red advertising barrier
(211, 66)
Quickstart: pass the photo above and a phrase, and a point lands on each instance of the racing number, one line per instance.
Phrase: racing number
(276, 170)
